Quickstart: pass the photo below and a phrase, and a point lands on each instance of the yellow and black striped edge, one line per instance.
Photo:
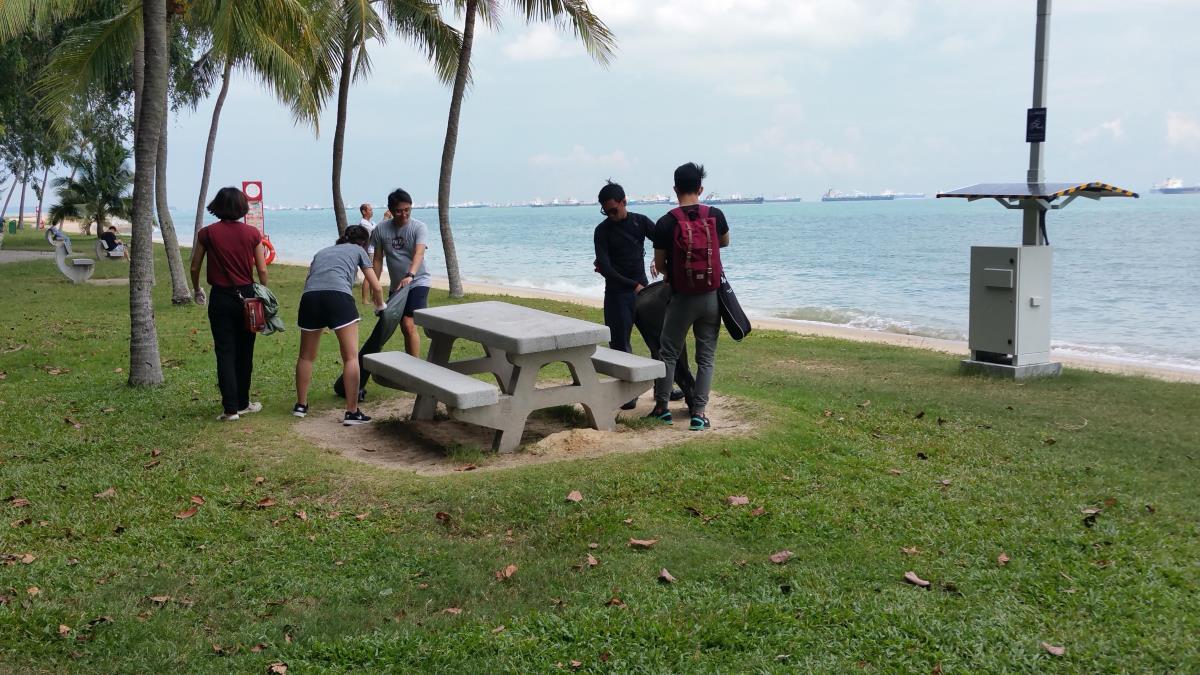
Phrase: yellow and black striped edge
(1112, 190)
(1096, 186)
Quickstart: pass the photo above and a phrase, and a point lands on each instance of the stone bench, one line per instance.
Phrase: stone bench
(116, 253)
(75, 268)
(625, 366)
(398, 370)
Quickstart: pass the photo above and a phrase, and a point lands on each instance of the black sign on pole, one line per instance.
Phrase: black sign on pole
(1035, 126)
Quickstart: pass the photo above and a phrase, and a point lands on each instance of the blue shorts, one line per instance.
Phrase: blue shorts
(418, 298)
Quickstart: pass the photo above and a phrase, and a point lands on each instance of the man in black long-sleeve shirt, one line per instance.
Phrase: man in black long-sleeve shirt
(621, 258)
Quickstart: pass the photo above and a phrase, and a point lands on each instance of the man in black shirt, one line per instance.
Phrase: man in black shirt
(112, 244)
(620, 241)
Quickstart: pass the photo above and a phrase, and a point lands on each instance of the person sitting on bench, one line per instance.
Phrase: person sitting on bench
(112, 244)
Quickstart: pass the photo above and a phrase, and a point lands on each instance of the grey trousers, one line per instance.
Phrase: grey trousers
(700, 313)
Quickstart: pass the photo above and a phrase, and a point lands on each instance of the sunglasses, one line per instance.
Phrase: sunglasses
(610, 212)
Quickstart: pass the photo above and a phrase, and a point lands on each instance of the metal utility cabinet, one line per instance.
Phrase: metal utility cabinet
(1010, 304)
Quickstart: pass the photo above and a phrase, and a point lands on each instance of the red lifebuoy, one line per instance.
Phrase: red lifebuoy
(266, 242)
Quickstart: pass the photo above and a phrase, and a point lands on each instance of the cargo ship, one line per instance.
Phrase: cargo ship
(1175, 186)
(717, 200)
(836, 196)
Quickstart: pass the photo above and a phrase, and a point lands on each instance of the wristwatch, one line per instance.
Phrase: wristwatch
(410, 274)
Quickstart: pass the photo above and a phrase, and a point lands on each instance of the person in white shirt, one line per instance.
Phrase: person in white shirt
(367, 212)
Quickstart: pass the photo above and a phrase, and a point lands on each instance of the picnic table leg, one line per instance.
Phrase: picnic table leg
(440, 346)
(520, 385)
(593, 399)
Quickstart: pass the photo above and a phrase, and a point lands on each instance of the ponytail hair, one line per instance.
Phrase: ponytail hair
(355, 234)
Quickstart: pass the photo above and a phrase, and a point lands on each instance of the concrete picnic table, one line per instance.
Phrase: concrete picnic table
(518, 341)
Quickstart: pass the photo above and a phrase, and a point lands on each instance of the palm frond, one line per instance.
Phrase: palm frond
(420, 22)
(36, 17)
(94, 53)
(575, 15)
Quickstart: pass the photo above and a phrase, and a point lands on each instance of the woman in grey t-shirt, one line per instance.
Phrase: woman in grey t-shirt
(328, 302)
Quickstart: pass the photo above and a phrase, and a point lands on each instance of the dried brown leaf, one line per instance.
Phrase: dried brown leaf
(1003, 559)
(188, 513)
(27, 558)
(21, 522)
(258, 647)
(642, 543)
(277, 668)
(197, 499)
(155, 452)
(217, 649)
(593, 545)
(591, 561)
(160, 599)
(614, 601)
(302, 515)
(33, 590)
(896, 472)
(466, 467)
(151, 464)
(73, 423)
(912, 578)
(758, 511)
(575, 496)
(107, 494)
(453, 610)
(780, 557)
(1054, 650)
(64, 629)
(442, 517)
(628, 521)
(362, 516)
(576, 664)
(737, 500)
(259, 480)
(498, 629)
(265, 502)
(665, 576)
(505, 573)
(18, 502)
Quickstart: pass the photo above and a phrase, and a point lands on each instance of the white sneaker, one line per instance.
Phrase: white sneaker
(227, 417)
(254, 406)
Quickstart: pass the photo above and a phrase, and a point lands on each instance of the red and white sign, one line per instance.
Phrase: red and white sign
(254, 195)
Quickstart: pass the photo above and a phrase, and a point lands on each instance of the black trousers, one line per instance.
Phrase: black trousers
(649, 320)
(233, 346)
(618, 316)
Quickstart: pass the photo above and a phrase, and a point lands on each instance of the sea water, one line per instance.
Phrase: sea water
(1126, 271)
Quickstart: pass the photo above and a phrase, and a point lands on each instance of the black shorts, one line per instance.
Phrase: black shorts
(326, 309)
(418, 298)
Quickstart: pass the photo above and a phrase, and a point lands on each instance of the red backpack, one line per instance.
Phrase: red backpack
(696, 253)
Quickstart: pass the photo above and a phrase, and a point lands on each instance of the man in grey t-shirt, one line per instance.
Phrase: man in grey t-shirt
(400, 241)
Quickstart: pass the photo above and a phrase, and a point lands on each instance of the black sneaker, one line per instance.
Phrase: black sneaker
(699, 423)
(676, 394)
(661, 414)
(299, 410)
(629, 405)
(355, 418)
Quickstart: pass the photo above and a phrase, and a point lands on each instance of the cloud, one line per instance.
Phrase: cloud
(801, 155)
(541, 43)
(1113, 128)
(581, 158)
(1182, 130)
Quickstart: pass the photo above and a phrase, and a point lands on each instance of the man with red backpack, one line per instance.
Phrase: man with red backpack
(687, 248)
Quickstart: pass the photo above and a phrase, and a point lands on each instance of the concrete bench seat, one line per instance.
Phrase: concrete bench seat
(409, 373)
(82, 262)
(625, 366)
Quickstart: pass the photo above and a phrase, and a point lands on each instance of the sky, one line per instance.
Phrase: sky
(773, 96)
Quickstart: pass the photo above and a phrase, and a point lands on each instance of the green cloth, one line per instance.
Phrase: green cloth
(270, 309)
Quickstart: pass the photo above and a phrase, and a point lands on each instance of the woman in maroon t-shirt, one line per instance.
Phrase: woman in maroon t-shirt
(234, 251)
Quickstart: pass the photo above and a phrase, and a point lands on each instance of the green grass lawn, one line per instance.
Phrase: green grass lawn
(862, 450)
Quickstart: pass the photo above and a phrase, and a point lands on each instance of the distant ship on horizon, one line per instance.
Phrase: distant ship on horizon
(1175, 186)
(735, 198)
(832, 195)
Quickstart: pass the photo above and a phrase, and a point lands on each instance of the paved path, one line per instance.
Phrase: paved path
(21, 256)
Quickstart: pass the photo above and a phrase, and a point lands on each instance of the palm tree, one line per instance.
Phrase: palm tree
(573, 14)
(352, 23)
(99, 189)
(145, 367)
(275, 40)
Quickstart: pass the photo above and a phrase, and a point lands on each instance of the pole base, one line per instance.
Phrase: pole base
(1028, 372)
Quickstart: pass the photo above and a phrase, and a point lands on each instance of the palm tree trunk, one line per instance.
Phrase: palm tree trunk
(37, 218)
(8, 199)
(208, 151)
(456, 99)
(180, 295)
(139, 72)
(21, 208)
(339, 135)
(145, 366)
